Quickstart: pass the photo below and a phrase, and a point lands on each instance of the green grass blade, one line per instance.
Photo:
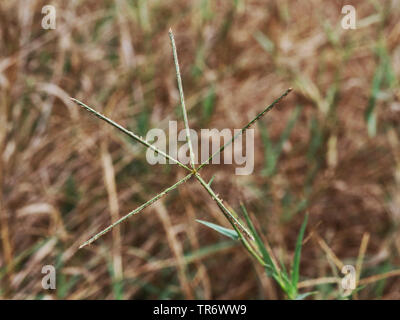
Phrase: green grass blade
(286, 284)
(270, 266)
(137, 210)
(297, 254)
(316, 139)
(211, 180)
(370, 113)
(231, 218)
(209, 104)
(383, 77)
(230, 233)
(269, 153)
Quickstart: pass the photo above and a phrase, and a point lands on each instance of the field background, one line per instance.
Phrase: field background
(331, 148)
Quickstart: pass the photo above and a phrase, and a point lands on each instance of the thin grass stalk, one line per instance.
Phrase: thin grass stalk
(137, 210)
(266, 110)
(180, 87)
(249, 248)
(231, 218)
(129, 133)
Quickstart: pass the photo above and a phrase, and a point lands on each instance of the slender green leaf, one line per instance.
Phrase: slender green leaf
(226, 212)
(211, 180)
(209, 103)
(370, 113)
(384, 76)
(230, 233)
(297, 253)
(270, 267)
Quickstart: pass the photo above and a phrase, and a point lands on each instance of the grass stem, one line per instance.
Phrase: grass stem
(266, 110)
(129, 133)
(179, 80)
(231, 218)
(137, 210)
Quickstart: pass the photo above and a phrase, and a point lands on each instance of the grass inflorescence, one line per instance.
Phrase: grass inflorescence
(246, 237)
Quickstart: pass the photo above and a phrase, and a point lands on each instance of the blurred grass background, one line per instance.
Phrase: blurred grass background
(331, 148)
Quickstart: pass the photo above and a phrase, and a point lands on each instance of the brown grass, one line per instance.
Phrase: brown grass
(65, 176)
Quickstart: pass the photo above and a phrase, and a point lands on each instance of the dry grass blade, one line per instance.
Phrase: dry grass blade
(377, 277)
(329, 253)
(361, 254)
(318, 281)
(111, 187)
(176, 248)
